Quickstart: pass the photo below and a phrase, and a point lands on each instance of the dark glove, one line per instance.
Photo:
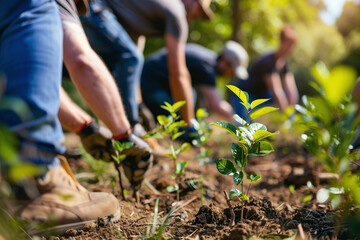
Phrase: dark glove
(138, 159)
(146, 118)
(189, 136)
(97, 141)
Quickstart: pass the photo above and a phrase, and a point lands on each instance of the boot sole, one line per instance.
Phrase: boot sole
(61, 229)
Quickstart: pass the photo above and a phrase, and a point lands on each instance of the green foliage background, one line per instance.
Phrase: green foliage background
(260, 22)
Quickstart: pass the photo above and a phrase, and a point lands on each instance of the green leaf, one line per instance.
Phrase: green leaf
(201, 113)
(234, 193)
(261, 148)
(176, 135)
(180, 167)
(244, 97)
(121, 157)
(238, 177)
(118, 146)
(247, 106)
(170, 155)
(154, 135)
(227, 127)
(239, 120)
(307, 198)
(257, 102)
(174, 127)
(253, 178)
(178, 105)
(262, 134)
(163, 120)
(185, 147)
(23, 170)
(167, 108)
(239, 155)
(262, 111)
(225, 167)
(172, 188)
(243, 197)
(256, 126)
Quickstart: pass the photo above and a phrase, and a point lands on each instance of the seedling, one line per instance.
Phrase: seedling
(117, 162)
(204, 132)
(329, 128)
(250, 141)
(170, 126)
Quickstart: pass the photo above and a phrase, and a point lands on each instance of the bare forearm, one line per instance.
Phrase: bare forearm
(180, 81)
(281, 100)
(291, 89)
(93, 80)
(70, 115)
(181, 89)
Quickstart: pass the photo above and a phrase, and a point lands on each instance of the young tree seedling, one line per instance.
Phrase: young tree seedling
(204, 132)
(170, 126)
(117, 162)
(250, 141)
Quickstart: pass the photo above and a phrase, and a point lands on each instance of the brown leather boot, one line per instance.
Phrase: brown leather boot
(66, 204)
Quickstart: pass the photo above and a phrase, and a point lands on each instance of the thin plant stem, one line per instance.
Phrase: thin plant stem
(201, 194)
(117, 166)
(232, 214)
(247, 193)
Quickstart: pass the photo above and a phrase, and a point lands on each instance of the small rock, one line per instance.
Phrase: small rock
(71, 232)
(89, 226)
(291, 225)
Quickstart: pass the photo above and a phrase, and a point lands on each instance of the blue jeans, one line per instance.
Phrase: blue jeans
(121, 55)
(31, 65)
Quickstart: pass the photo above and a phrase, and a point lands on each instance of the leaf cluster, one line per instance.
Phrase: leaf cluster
(250, 141)
(329, 127)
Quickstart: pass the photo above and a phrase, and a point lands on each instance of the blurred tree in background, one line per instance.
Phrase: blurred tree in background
(348, 25)
(258, 23)
(255, 24)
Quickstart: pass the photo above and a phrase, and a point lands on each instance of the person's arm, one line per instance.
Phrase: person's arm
(179, 77)
(93, 80)
(291, 89)
(71, 116)
(273, 83)
(216, 104)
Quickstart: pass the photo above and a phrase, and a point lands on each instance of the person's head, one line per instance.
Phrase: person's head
(287, 41)
(233, 61)
(197, 9)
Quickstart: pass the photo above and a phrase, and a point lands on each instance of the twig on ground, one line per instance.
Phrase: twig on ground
(301, 231)
(151, 187)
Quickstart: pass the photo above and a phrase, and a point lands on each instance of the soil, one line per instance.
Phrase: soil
(282, 205)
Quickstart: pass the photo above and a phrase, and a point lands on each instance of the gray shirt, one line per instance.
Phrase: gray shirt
(151, 17)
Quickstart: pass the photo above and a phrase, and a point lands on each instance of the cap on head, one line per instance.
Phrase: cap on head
(237, 56)
(205, 6)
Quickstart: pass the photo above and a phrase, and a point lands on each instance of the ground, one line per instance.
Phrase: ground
(282, 205)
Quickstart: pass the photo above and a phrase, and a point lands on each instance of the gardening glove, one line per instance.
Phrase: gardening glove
(189, 136)
(97, 141)
(138, 158)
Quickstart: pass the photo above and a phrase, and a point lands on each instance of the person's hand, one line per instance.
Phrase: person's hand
(138, 159)
(189, 136)
(97, 141)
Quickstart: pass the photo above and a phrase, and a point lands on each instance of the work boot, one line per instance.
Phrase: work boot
(66, 203)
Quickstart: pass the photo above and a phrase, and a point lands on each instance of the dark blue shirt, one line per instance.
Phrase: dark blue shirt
(200, 61)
